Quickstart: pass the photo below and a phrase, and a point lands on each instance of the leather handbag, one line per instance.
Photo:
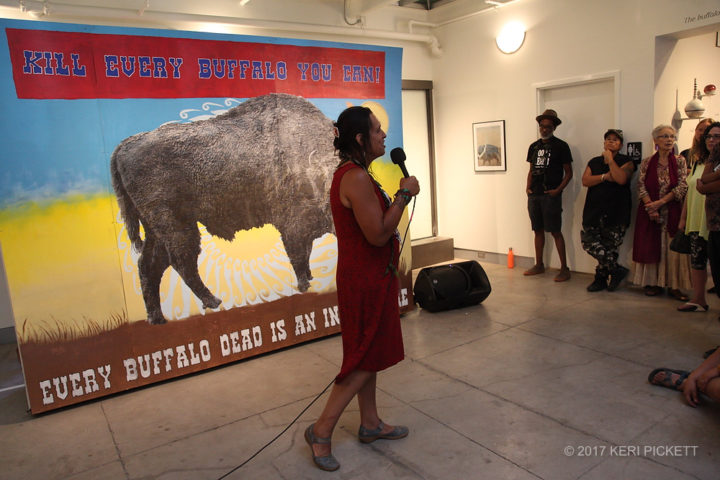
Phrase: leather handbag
(680, 243)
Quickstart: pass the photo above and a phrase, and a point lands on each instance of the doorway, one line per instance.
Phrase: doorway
(419, 149)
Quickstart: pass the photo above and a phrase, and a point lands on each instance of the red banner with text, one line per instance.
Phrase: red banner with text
(74, 65)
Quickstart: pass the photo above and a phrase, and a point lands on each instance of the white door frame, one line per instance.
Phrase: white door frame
(580, 80)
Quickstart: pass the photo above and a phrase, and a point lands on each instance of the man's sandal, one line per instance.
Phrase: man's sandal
(667, 381)
(328, 462)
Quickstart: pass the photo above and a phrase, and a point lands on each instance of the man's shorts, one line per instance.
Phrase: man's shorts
(545, 212)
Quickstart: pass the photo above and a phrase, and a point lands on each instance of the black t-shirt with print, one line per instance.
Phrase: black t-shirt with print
(547, 160)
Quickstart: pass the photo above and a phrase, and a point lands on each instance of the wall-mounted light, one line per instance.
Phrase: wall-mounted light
(511, 37)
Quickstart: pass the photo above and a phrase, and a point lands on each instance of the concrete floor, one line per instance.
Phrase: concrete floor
(541, 381)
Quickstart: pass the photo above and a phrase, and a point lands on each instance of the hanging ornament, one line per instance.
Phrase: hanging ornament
(694, 108)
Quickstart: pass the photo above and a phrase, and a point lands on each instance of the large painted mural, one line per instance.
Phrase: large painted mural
(163, 197)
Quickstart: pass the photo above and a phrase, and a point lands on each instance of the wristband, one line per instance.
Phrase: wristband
(404, 193)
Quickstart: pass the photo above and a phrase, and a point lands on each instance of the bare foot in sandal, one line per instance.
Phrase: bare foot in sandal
(668, 378)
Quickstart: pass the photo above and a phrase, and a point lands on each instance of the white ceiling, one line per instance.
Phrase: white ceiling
(323, 11)
(322, 19)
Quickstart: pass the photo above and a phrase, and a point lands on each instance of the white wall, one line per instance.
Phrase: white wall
(474, 82)
(685, 60)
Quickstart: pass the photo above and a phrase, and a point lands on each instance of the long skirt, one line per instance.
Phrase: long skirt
(673, 270)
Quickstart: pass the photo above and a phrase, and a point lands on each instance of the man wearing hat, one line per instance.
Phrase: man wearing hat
(550, 172)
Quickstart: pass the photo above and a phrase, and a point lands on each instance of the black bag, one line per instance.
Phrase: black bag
(680, 243)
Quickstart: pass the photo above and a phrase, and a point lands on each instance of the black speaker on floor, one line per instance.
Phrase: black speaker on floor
(454, 285)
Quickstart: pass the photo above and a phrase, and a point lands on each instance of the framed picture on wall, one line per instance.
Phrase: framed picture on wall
(489, 146)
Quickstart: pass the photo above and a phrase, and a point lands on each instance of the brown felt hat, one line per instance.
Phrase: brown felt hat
(550, 115)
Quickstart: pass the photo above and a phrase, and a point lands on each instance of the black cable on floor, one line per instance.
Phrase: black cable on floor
(279, 434)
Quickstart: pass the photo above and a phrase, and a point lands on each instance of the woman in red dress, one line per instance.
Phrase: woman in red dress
(366, 223)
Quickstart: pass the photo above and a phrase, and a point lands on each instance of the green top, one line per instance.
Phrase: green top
(696, 221)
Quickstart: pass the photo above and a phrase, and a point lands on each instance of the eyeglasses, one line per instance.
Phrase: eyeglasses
(666, 136)
(712, 137)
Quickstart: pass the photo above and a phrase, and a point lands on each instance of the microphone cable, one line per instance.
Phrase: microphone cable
(402, 246)
(279, 434)
(407, 229)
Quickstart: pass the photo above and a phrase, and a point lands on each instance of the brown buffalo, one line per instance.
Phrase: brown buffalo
(267, 161)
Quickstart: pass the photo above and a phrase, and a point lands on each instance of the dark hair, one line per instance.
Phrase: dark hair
(709, 120)
(352, 120)
(703, 150)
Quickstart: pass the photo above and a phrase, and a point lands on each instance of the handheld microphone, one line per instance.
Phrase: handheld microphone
(397, 155)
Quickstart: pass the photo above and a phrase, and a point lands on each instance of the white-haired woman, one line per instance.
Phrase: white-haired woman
(662, 186)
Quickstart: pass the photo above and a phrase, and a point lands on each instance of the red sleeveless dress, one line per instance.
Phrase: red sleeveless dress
(367, 290)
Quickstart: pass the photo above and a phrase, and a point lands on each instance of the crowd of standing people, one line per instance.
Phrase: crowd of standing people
(671, 201)
(678, 194)
(676, 231)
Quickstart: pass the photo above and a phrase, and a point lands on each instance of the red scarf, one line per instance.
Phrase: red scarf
(646, 242)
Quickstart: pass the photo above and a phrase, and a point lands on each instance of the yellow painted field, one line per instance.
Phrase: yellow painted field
(71, 269)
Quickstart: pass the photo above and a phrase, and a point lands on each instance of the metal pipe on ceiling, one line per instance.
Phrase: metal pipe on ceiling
(69, 12)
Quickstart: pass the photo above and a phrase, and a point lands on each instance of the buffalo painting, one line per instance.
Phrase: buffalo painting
(267, 161)
(488, 155)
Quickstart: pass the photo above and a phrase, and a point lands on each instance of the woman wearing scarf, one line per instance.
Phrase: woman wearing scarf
(661, 190)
